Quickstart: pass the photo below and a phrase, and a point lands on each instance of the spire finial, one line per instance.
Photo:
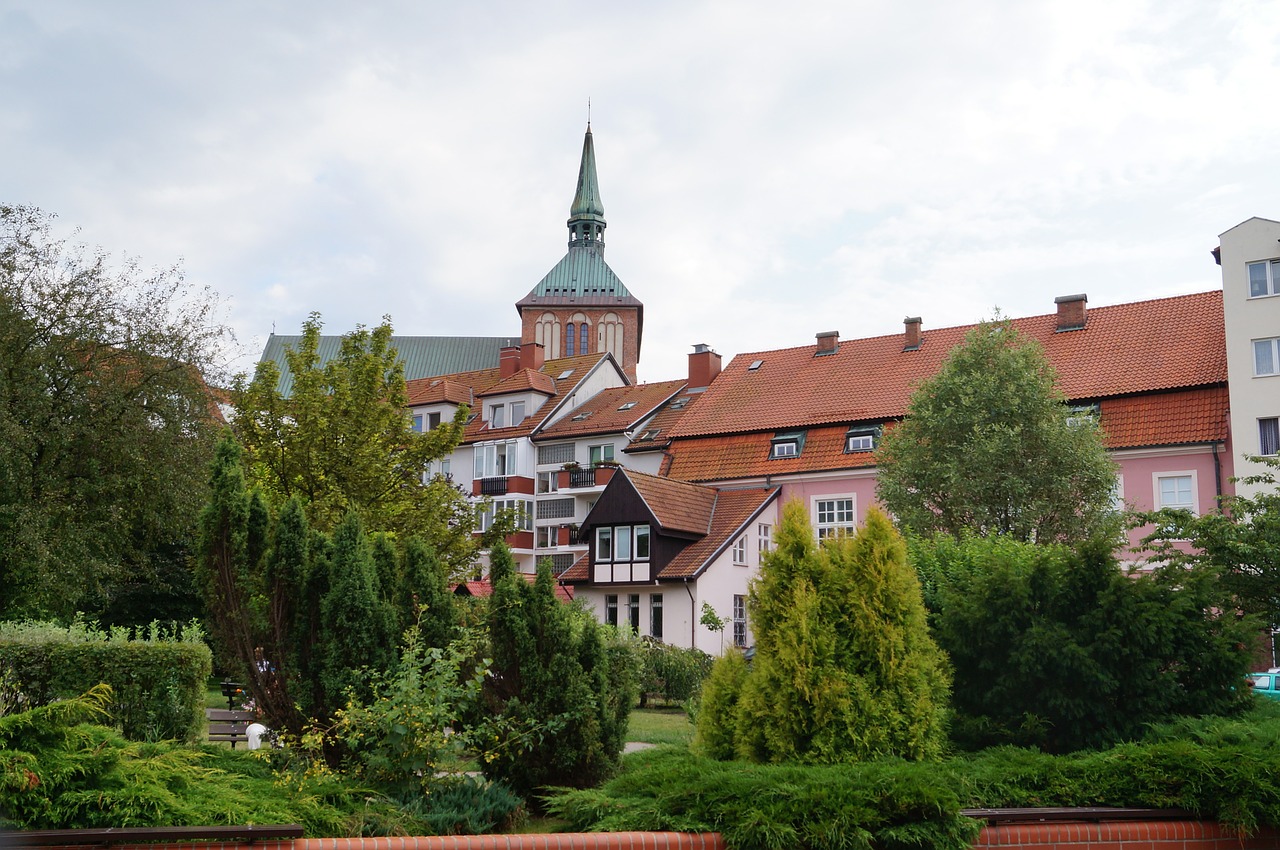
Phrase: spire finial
(586, 215)
(588, 115)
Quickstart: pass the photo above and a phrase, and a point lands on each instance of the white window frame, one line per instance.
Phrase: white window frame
(548, 537)
(1271, 275)
(764, 537)
(1271, 423)
(740, 551)
(785, 448)
(522, 507)
(1272, 347)
(642, 532)
(600, 454)
(604, 544)
(825, 530)
(548, 482)
(1117, 493)
(622, 539)
(498, 416)
(1157, 495)
(739, 620)
(517, 413)
(655, 616)
(486, 459)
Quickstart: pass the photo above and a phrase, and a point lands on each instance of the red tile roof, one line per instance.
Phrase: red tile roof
(601, 414)
(438, 390)
(733, 509)
(1181, 417)
(676, 505)
(483, 589)
(657, 431)
(524, 380)
(1147, 346)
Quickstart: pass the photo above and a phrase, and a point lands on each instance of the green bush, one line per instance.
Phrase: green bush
(1060, 650)
(672, 674)
(1222, 770)
(158, 678)
(469, 805)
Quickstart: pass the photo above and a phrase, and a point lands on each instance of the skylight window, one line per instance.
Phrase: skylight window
(566, 373)
(755, 364)
(582, 416)
(679, 403)
(628, 405)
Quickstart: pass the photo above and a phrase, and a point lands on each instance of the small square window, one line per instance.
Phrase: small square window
(1176, 491)
(740, 551)
(861, 440)
(788, 444)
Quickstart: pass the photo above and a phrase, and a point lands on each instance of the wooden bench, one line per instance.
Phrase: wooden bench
(137, 835)
(228, 725)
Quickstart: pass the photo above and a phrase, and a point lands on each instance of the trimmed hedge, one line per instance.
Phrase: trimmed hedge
(158, 680)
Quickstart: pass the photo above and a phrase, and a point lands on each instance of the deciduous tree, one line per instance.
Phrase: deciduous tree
(986, 446)
(107, 427)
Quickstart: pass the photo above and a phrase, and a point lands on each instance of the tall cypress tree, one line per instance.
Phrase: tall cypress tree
(357, 629)
(844, 668)
(424, 588)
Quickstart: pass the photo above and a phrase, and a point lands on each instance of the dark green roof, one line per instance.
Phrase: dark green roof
(582, 277)
(421, 356)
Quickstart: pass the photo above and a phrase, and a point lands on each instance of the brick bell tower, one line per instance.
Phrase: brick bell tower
(581, 307)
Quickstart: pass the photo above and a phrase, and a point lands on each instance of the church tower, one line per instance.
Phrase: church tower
(581, 307)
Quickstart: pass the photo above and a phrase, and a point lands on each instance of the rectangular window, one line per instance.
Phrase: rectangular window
(548, 482)
(1264, 279)
(604, 544)
(834, 517)
(622, 543)
(517, 412)
(548, 537)
(860, 440)
(739, 620)
(446, 467)
(600, 454)
(521, 508)
(555, 453)
(633, 611)
(1081, 415)
(740, 551)
(642, 543)
(1117, 494)
(433, 421)
(611, 610)
(655, 616)
(498, 416)
(764, 534)
(417, 423)
(1269, 436)
(787, 444)
(494, 460)
(1175, 491)
(1266, 357)
(556, 509)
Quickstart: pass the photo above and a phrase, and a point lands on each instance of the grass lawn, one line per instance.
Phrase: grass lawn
(660, 726)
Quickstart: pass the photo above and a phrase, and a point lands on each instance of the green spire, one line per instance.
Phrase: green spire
(586, 216)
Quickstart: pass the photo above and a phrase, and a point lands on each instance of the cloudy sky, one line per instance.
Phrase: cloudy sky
(768, 170)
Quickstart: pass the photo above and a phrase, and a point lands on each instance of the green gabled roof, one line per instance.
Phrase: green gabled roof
(582, 277)
(421, 356)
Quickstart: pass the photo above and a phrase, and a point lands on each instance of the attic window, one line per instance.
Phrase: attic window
(1079, 415)
(628, 405)
(566, 373)
(679, 403)
(582, 416)
(755, 364)
(786, 444)
(861, 439)
(651, 434)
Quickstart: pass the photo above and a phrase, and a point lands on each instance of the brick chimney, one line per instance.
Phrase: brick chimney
(508, 361)
(704, 365)
(828, 342)
(911, 335)
(532, 355)
(1071, 311)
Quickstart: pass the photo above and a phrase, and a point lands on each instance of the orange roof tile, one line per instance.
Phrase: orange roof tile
(732, 510)
(483, 589)
(1128, 348)
(524, 380)
(676, 505)
(604, 413)
(657, 431)
(437, 390)
(1197, 415)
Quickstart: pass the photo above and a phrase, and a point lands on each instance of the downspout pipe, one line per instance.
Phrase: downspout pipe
(693, 620)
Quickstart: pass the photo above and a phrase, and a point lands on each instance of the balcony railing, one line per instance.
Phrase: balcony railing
(590, 476)
(493, 486)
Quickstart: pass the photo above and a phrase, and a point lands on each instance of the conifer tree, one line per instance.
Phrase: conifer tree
(358, 629)
(551, 694)
(424, 588)
(844, 667)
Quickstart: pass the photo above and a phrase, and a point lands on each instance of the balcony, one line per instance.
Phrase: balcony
(585, 478)
(491, 486)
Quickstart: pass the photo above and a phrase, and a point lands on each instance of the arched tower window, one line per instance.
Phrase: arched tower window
(547, 333)
(577, 335)
(609, 335)
(570, 338)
